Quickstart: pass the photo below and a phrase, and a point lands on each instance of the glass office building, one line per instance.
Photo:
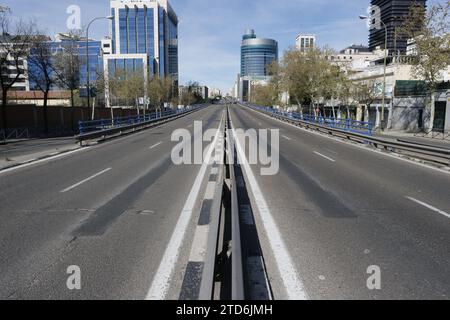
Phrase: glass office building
(144, 35)
(64, 42)
(256, 55)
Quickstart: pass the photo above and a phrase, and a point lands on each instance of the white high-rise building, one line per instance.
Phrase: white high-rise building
(305, 42)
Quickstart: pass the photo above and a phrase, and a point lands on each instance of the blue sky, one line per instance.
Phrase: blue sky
(211, 30)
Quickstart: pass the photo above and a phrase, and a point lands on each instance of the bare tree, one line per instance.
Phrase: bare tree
(14, 49)
(67, 66)
(42, 70)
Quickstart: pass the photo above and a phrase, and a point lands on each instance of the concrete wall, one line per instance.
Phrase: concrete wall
(406, 114)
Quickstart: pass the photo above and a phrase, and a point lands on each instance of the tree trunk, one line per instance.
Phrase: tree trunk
(4, 102)
(46, 112)
(72, 111)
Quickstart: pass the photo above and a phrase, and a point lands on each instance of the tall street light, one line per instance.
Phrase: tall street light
(88, 85)
(383, 103)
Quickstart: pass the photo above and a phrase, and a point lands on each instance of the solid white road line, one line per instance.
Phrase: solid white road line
(292, 283)
(161, 282)
(286, 137)
(155, 145)
(426, 205)
(85, 180)
(33, 162)
(325, 157)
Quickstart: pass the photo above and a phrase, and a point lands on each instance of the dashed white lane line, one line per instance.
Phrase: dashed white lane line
(286, 137)
(210, 190)
(288, 273)
(155, 145)
(362, 147)
(161, 282)
(199, 245)
(428, 206)
(324, 156)
(85, 180)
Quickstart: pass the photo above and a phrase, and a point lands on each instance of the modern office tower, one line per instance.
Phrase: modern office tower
(144, 36)
(305, 42)
(391, 13)
(64, 42)
(256, 55)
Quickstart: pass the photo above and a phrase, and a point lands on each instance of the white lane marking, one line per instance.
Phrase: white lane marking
(294, 286)
(286, 137)
(362, 147)
(426, 205)
(85, 180)
(29, 163)
(161, 282)
(210, 190)
(324, 156)
(189, 126)
(155, 145)
(198, 249)
(215, 170)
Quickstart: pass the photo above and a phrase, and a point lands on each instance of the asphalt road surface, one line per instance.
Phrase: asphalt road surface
(332, 211)
(109, 209)
(341, 209)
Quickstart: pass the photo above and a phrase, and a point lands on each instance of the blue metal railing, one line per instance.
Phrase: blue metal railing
(106, 124)
(342, 124)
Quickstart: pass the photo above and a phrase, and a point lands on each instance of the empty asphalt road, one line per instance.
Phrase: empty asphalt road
(341, 209)
(109, 209)
(332, 212)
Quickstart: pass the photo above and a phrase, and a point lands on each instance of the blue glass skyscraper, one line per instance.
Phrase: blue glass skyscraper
(144, 33)
(256, 55)
(144, 37)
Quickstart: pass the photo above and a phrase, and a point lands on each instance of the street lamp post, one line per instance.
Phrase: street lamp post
(88, 85)
(383, 103)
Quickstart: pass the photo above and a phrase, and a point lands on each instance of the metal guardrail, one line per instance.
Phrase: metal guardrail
(436, 155)
(105, 124)
(217, 209)
(237, 266)
(18, 133)
(224, 215)
(109, 127)
(343, 124)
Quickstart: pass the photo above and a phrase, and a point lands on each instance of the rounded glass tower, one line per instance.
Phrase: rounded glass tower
(256, 55)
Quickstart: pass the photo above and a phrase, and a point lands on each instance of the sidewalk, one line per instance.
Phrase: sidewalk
(24, 151)
(410, 137)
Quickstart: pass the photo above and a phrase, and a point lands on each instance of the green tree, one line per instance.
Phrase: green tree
(430, 31)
